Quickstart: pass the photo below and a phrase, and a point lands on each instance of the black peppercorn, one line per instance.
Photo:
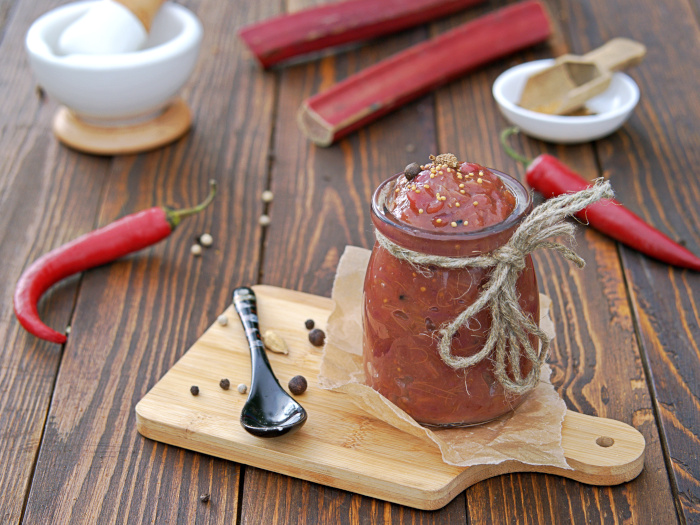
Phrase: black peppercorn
(225, 384)
(317, 337)
(194, 390)
(297, 385)
(309, 323)
(411, 171)
(204, 498)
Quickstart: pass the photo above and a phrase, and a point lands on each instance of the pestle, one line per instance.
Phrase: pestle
(110, 27)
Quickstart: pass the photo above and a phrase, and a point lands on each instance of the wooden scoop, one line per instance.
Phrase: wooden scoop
(110, 27)
(568, 84)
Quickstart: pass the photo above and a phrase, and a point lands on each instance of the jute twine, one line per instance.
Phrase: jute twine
(510, 327)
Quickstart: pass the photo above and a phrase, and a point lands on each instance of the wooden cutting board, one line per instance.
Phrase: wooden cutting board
(340, 445)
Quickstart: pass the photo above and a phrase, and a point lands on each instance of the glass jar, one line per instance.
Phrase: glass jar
(403, 309)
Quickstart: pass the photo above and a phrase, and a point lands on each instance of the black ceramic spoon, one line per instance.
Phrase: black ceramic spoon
(269, 410)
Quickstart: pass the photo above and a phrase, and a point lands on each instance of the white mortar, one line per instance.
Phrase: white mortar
(120, 88)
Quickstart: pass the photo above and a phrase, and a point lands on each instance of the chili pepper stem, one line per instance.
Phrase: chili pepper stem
(505, 135)
(175, 216)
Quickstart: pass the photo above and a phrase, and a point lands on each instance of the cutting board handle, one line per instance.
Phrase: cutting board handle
(617, 54)
(601, 451)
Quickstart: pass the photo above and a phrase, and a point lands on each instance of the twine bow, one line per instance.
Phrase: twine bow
(510, 327)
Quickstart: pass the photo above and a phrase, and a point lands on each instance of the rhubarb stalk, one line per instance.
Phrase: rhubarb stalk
(385, 86)
(293, 34)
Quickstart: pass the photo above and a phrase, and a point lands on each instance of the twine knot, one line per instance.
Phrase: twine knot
(511, 256)
(509, 336)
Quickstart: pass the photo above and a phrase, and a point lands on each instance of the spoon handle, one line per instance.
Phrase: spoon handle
(245, 303)
(617, 54)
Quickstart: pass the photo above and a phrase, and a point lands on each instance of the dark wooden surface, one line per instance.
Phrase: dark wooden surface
(628, 328)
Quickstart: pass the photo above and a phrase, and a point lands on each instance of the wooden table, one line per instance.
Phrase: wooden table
(628, 328)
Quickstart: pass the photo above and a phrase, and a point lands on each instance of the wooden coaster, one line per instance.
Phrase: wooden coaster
(167, 127)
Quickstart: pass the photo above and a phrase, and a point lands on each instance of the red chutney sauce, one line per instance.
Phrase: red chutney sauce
(462, 210)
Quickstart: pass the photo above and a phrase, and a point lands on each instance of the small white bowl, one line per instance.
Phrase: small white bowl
(611, 108)
(111, 89)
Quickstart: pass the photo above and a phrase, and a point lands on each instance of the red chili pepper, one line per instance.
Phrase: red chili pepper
(124, 236)
(549, 176)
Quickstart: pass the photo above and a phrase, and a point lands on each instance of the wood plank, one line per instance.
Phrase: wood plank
(48, 196)
(135, 317)
(591, 312)
(327, 191)
(472, 141)
(653, 165)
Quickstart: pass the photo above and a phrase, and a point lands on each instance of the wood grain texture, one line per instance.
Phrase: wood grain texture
(476, 115)
(94, 467)
(321, 205)
(592, 313)
(74, 411)
(652, 164)
(340, 445)
(47, 198)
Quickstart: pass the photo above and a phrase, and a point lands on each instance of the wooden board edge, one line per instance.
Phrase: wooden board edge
(409, 496)
(354, 482)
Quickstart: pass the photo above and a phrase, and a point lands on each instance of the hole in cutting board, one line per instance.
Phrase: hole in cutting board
(605, 441)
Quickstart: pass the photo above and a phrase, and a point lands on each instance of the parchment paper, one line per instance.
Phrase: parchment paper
(531, 434)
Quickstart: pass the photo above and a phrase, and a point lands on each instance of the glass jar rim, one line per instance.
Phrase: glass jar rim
(523, 206)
